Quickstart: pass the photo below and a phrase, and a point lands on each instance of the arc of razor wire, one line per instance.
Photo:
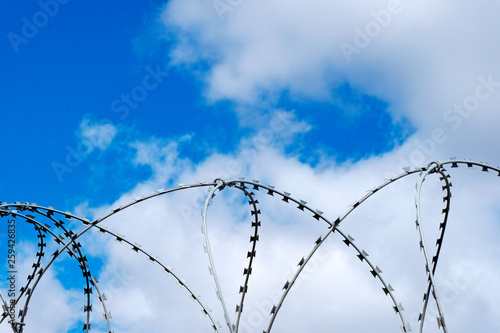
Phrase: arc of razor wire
(38, 227)
(102, 300)
(423, 247)
(219, 185)
(39, 255)
(35, 267)
(137, 248)
(442, 226)
(59, 239)
(166, 269)
(348, 240)
(85, 271)
(438, 167)
(89, 225)
(77, 255)
(247, 271)
(405, 327)
(256, 223)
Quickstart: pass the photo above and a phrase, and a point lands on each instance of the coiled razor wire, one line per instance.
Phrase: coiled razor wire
(67, 241)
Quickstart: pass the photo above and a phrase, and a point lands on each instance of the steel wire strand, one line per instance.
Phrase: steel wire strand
(301, 205)
(166, 269)
(255, 212)
(213, 271)
(78, 256)
(374, 270)
(29, 292)
(35, 267)
(438, 164)
(439, 242)
(91, 225)
(85, 271)
(431, 168)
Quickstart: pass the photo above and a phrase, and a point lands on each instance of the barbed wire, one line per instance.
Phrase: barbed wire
(56, 229)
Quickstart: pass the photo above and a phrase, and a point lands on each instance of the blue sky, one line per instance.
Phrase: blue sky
(105, 101)
(89, 55)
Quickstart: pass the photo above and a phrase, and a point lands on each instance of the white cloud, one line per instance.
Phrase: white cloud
(161, 156)
(337, 290)
(421, 57)
(96, 135)
(422, 63)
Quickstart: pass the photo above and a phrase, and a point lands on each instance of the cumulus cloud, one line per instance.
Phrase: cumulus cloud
(419, 57)
(161, 155)
(428, 61)
(336, 290)
(96, 135)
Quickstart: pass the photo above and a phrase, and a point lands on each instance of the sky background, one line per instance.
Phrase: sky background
(102, 102)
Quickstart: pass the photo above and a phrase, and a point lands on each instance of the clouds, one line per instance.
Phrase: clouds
(91, 136)
(161, 155)
(422, 59)
(257, 49)
(96, 135)
(336, 285)
(336, 288)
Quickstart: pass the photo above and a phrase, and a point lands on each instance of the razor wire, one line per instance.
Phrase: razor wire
(57, 230)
